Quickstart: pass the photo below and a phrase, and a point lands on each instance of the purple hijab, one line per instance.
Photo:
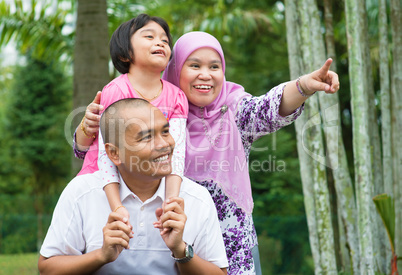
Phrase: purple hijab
(225, 163)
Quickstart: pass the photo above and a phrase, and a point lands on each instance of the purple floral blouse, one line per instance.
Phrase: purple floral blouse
(256, 117)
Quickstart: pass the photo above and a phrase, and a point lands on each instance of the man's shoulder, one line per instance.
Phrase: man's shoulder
(83, 184)
(193, 190)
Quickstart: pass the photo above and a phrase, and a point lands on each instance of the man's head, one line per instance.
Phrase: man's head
(137, 139)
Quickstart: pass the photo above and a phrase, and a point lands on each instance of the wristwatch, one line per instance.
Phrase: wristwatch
(189, 255)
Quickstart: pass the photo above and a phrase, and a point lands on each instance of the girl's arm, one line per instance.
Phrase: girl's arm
(88, 127)
(178, 131)
(111, 180)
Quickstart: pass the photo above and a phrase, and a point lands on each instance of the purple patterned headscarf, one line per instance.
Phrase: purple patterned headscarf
(225, 163)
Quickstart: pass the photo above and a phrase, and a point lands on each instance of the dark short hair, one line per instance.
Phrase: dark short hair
(121, 50)
(111, 130)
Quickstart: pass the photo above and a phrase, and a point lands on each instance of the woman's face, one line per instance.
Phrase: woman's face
(201, 77)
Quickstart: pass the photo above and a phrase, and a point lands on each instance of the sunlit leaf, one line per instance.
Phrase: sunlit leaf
(385, 207)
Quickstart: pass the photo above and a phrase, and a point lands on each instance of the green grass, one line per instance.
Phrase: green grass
(19, 264)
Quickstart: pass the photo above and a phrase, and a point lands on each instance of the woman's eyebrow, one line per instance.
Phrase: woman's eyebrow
(195, 59)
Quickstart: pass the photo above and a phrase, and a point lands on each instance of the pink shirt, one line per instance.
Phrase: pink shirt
(172, 102)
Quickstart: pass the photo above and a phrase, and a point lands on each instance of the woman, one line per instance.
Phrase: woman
(223, 122)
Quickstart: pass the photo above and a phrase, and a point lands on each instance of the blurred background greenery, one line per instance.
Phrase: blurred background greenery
(36, 96)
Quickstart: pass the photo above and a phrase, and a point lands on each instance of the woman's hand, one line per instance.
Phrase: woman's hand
(321, 80)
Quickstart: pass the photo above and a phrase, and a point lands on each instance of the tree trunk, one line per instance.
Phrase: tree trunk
(329, 105)
(378, 230)
(396, 26)
(385, 114)
(91, 57)
(355, 13)
(306, 169)
(314, 54)
(385, 99)
(310, 143)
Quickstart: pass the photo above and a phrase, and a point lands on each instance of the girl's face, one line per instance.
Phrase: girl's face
(201, 77)
(151, 46)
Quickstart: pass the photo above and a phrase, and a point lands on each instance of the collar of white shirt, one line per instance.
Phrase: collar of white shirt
(125, 191)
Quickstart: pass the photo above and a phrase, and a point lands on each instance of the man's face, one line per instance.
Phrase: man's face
(146, 151)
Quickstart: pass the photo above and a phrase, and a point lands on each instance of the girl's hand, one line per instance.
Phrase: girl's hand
(178, 200)
(124, 213)
(172, 216)
(116, 237)
(321, 80)
(92, 117)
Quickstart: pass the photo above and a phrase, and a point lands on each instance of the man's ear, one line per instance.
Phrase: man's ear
(113, 153)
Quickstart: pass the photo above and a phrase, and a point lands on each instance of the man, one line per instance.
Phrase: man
(137, 140)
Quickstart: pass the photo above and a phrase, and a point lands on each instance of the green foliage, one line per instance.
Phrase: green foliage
(36, 159)
(385, 206)
(35, 117)
(271, 249)
(37, 26)
(278, 201)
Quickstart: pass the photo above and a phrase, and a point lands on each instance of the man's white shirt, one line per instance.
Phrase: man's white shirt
(83, 209)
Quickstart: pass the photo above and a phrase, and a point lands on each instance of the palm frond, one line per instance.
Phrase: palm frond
(36, 29)
(386, 208)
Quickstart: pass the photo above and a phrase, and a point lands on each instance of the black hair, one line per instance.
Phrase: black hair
(111, 130)
(121, 50)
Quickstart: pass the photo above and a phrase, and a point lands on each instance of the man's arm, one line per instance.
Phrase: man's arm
(116, 236)
(197, 265)
(82, 264)
(175, 218)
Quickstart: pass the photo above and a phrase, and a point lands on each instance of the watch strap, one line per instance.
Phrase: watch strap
(189, 255)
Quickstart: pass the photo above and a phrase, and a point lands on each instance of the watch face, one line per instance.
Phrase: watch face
(190, 251)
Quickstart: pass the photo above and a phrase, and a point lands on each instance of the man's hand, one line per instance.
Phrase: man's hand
(116, 237)
(172, 216)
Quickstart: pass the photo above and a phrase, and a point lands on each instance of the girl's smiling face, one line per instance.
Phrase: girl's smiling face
(151, 46)
(201, 76)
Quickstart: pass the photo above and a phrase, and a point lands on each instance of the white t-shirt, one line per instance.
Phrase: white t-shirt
(83, 209)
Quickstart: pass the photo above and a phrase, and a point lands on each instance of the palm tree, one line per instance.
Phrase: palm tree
(43, 33)
(91, 56)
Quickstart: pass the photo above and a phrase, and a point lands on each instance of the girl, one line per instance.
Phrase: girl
(140, 49)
